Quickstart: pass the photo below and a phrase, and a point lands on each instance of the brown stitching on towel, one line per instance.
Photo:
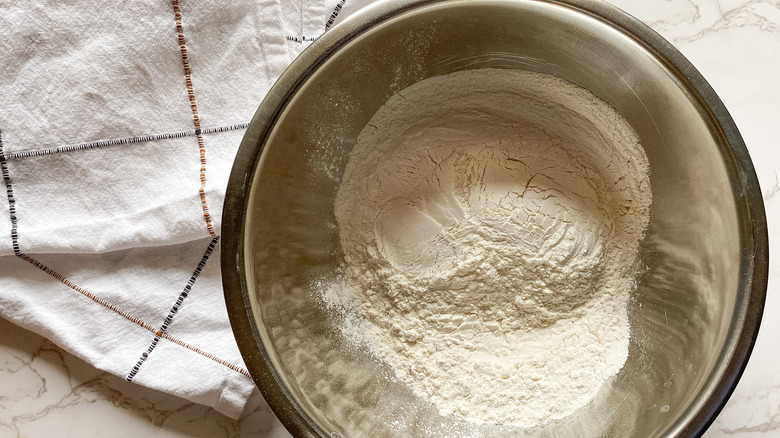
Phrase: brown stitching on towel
(62, 279)
(126, 315)
(122, 141)
(195, 117)
(174, 309)
(85, 292)
(210, 356)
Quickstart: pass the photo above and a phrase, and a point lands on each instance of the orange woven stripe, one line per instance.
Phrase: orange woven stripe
(185, 61)
(128, 316)
(205, 354)
(86, 293)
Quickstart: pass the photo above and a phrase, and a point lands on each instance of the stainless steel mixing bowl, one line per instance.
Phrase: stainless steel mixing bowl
(694, 315)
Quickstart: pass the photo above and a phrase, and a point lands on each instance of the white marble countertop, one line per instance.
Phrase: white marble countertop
(735, 44)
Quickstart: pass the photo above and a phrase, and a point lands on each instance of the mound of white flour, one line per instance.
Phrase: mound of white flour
(490, 220)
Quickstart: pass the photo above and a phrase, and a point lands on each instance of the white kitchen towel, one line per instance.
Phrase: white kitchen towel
(119, 122)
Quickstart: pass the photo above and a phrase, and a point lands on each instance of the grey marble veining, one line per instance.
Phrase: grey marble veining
(46, 392)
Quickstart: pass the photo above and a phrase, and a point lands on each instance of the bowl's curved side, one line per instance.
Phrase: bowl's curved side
(754, 240)
(235, 275)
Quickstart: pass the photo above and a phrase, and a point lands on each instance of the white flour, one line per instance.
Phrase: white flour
(490, 220)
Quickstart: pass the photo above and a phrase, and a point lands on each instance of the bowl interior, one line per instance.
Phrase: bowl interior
(691, 300)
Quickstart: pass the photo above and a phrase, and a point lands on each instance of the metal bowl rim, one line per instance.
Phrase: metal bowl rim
(751, 211)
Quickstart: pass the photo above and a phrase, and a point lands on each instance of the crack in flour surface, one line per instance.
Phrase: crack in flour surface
(490, 221)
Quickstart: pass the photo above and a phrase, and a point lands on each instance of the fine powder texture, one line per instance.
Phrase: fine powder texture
(490, 222)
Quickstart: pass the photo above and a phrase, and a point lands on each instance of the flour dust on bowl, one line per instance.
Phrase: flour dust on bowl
(493, 218)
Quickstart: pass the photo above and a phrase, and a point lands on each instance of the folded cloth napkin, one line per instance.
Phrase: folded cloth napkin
(119, 122)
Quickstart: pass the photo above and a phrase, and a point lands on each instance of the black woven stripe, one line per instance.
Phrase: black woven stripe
(174, 309)
(301, 39)
(334, 14)
(122, 141)
(9, 190)
(140, 362)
